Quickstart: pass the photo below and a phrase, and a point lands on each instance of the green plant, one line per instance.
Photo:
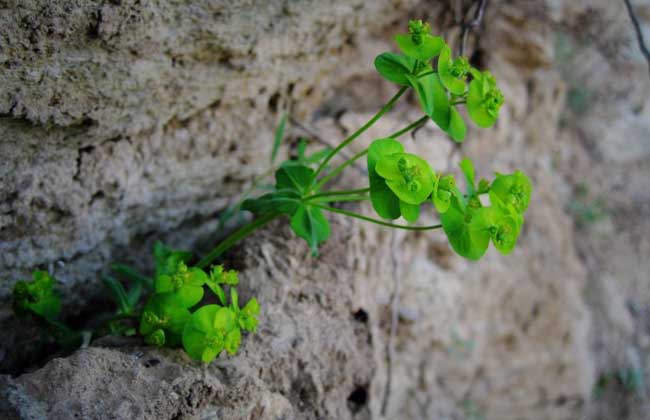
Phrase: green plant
(628, 379)
(399, 184)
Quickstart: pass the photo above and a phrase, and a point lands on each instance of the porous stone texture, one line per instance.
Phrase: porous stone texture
(126, 122)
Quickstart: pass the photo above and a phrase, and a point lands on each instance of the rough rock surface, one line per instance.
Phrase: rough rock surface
(125, 122)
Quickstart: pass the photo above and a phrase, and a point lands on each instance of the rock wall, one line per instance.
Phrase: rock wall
(126, 122)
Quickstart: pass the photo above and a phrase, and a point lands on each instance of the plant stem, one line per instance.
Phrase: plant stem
(234, 237)
(410, 127)
(132, 274)
(364, 152)
(361, 130)
(336, 198)
(458, 102)
(426, 73)
(339, 169)
(376, 221)
(340, 192)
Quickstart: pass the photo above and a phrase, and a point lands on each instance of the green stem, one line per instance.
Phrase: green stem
(337, 198)
(340, 192)
(234, 237)
(361, 130)
(458, 102)
(339, 169)
(426, 73)
(132, 274)
(376, 221)
(410, 127)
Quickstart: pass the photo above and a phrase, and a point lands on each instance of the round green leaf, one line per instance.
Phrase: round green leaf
(395, 67)
(442, 192)
(164, 311)
(475, 108)
(198, 329)
(190, 295)
(449, 80)
(198, 277)
(502, 228)
(468, 243)
(511, 190)
(225, 319)
(408, 176)
(429, 47)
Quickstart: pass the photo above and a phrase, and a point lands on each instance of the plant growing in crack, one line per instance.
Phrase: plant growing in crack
(399, 185)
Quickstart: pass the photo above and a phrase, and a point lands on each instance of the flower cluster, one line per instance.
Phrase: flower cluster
(167, 318)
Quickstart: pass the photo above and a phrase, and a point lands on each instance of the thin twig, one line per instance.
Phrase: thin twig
(472, 24)
(394, 319)
(639, 33)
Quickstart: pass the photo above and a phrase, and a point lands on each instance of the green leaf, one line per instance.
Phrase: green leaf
(233, 340)
(443, 192)
(447, 67)
(395, 67)
(457, 129)
(317, 157)
(511, 190)
(137, 282)
(219, 275)
(483, 186)
(502, 228)
(197, 277)
(429, 47)
(118, 294)
(200, 335)
(310, 224)
(408, 176)
(210, 353)
(164, 311)
(168, 260)
(225, 320)
(467, 242)
(251, 307)
(302, 148)
(247, 317)
(217, 290)
(383, 199)
(37, 296)
(279, 134)
(294, 178)
(475, 108)
(484, 99)
(467, 167)
(186, 283)
(190, 295)
(433, 98)
(284, 202)
(410, 212)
